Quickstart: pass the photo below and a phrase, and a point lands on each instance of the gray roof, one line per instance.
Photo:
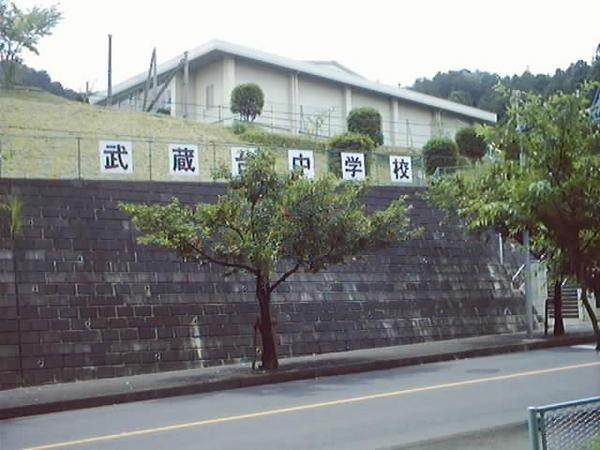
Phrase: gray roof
(313, 68)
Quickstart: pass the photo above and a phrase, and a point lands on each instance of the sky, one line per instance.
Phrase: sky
(393, 42)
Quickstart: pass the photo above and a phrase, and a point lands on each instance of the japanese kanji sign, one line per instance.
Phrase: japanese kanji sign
(238, 159)
(184, 160)
(302, 159)
(116, 157)
(353, 166)
(401, 169)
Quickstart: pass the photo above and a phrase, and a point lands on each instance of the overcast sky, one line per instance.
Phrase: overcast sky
(390, 41)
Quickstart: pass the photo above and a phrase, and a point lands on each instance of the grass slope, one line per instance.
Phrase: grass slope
(45, 136)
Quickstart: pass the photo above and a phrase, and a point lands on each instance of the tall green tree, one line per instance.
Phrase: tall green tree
(22, 30)
(554, 193)
(477, 88)
(271, 226)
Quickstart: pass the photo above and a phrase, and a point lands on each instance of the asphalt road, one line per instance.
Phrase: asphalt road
(476, 403)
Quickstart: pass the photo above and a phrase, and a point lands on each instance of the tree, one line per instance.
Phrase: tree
(21, 30)
(439, 152)
(470, 144)
(553, 194)
(366, 121)
(247, 100)
(461, 97)
(478, 88)
(271, 226)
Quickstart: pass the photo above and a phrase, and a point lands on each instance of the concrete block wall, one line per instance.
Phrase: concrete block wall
(86, 301)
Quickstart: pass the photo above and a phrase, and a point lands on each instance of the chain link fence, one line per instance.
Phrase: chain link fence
(310, 120)
(566, 426)
(60, 156)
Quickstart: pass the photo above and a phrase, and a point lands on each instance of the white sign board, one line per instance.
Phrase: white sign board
(116, 157)
(401, 169)
(353, 166)
(184, 160)
(302, 159)
(238, 159)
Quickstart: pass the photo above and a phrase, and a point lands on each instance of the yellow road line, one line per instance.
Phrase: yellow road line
(345, 401)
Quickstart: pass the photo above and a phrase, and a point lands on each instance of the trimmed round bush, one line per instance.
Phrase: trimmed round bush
(439, 152)
(470, 144)
(247, 100)
(366, 121)
(351, 141)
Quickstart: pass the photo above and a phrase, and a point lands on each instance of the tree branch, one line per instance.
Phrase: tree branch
(223, 263)
(285, 276)
(584, 248)
(236, 230)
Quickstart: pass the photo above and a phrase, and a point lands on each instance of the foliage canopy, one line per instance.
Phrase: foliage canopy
(247, 100)
(439, 152)
(554, 193)
(21, 30)
(271, 226)
(351, 141)
(366, 121)
(470, 144)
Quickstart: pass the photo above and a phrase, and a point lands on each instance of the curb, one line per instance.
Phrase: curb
(258, 379)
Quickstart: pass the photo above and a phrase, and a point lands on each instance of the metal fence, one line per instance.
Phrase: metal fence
(79, 156)
(564, 426)
(310, 120)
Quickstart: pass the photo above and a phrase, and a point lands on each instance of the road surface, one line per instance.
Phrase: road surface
(474, 403)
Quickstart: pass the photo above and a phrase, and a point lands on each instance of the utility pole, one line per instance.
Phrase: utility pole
(526, 244)
(109, 90)
(186, 84)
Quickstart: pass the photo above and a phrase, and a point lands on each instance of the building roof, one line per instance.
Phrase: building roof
(337, 67)
(329, 70)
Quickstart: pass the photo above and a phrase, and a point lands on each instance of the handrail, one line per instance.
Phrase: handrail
(518, 272)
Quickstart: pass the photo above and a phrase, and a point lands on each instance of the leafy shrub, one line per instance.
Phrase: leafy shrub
(247, 100)
(470, 144)
(351, 141)
(439, 152)
(366, 121)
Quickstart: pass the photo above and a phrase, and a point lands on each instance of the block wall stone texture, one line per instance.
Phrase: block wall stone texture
(79, 299)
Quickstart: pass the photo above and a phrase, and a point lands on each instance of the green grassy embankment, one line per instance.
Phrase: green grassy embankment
(45, 136)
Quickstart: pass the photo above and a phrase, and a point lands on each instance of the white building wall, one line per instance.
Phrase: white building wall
(315, 98)
(414, 129)
(451, 124)
(275, 84)
(200, 108)
(321, 103)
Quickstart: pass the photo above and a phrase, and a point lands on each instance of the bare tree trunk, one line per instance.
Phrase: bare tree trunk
(559, 326)
(592, 314)
(269, 350)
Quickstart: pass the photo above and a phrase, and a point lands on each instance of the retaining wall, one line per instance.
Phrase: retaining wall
(79, 299)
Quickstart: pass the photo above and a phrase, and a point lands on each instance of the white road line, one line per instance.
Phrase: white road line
(585, 347)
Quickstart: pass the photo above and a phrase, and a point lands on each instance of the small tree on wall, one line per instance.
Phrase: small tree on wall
(247, 100)
(271, 226)
(366, 121)
(470, 144)
(439, 152)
